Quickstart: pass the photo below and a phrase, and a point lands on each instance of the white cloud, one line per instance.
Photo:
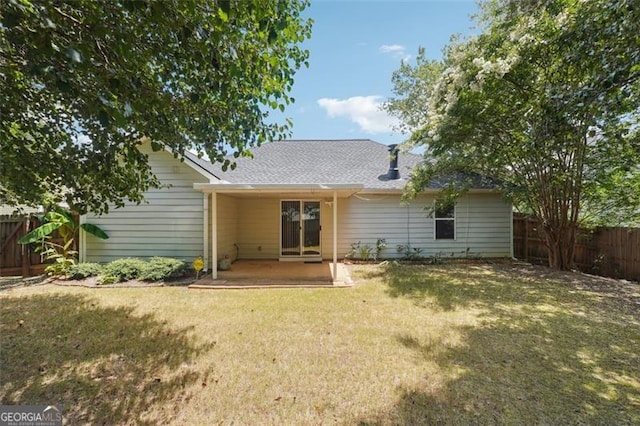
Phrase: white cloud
(366, 111)
(397, 51)
(392, 48)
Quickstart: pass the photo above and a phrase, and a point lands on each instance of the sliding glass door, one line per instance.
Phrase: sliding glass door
(300, 228)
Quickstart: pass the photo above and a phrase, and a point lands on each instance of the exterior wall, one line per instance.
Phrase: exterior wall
(227, 220)
(258, 228)
(482, 225)
(170, 224)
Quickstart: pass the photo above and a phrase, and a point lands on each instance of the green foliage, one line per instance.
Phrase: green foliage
(94, 230)
(108, 279)
(353, 250)
(63, 255)
(361, 251)
(40, 233)
(119, 270)
(81, 271)
(364, 252)
(413, 86)
(410, 253)
(544, 102)
(122, 270)
(83, 83)
(614, 200)
(381, 244)
(63, 221)
(60, 266)
(163, 268)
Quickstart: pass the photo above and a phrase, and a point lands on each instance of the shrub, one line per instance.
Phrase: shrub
(163, 268)
(409, 253)
(364, 252)
(84, 270)
(122, 270)
(107, 279)
(61, 265)
(381, 244)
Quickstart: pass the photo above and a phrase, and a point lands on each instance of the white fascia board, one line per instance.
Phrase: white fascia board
(381, 191)
(276, 187)
(426, 191)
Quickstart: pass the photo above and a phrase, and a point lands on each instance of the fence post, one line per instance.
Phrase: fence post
(26, 252)
(526, 238)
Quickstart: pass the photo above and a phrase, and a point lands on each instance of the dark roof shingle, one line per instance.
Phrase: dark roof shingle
(358, 161)
(347, 161)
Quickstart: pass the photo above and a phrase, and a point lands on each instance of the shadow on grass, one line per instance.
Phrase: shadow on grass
(544, 352)
(105, 365)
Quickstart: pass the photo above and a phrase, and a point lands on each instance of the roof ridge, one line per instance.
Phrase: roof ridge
(327, 140)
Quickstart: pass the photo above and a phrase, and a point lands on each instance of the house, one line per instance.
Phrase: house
(7, 210)
(298, 201)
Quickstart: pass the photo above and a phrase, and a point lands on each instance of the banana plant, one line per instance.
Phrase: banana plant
(63, 254)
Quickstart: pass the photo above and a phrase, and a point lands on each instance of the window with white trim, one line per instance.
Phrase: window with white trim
(445, 222)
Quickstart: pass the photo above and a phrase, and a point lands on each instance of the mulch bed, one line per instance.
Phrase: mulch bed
(91, 282)
(11, 282)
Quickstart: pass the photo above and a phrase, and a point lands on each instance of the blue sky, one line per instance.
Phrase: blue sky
(355, 47)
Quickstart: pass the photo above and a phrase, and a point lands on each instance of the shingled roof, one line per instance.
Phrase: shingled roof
(357, 161)
(345, 161)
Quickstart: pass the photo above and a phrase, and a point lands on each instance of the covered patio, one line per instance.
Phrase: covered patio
(275, 274)
(274, 233)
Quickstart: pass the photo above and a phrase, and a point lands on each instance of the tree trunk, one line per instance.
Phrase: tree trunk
(561, 242)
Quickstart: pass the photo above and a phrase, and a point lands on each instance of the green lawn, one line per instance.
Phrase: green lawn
(454, 344)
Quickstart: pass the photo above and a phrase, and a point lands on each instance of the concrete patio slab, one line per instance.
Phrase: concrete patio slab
(246, 274)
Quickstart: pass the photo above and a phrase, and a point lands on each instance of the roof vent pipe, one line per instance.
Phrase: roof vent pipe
(393, 173)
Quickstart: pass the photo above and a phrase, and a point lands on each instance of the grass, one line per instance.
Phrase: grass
(453, 344)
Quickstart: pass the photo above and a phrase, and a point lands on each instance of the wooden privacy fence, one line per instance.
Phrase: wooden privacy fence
(609, 252)
(18, 259)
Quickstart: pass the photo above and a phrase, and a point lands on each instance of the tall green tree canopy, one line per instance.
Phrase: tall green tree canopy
(545, 101)
(83, 82)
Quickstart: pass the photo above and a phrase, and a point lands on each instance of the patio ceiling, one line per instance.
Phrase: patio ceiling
(341, 190)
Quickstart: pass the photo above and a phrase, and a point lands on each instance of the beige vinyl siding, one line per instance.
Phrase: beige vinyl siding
(170, 223)
(482, 223)
(227, 219)
(258, 228)
(326, 221)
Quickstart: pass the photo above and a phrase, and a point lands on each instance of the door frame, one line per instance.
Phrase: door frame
(300, 257)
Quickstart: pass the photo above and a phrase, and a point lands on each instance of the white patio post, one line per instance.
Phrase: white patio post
(82, 256)
(335, 236)
(214, 236)
(205, 230)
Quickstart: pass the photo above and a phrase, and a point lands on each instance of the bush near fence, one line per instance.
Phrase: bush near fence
(17, 259)
(609, 252)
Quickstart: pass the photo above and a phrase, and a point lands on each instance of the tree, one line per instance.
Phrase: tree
(614, 201)
(82, 83)
(63, 255)
(544, 101)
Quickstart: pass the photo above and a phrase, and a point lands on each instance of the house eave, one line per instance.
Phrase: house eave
(424, 191)
(342, 189)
